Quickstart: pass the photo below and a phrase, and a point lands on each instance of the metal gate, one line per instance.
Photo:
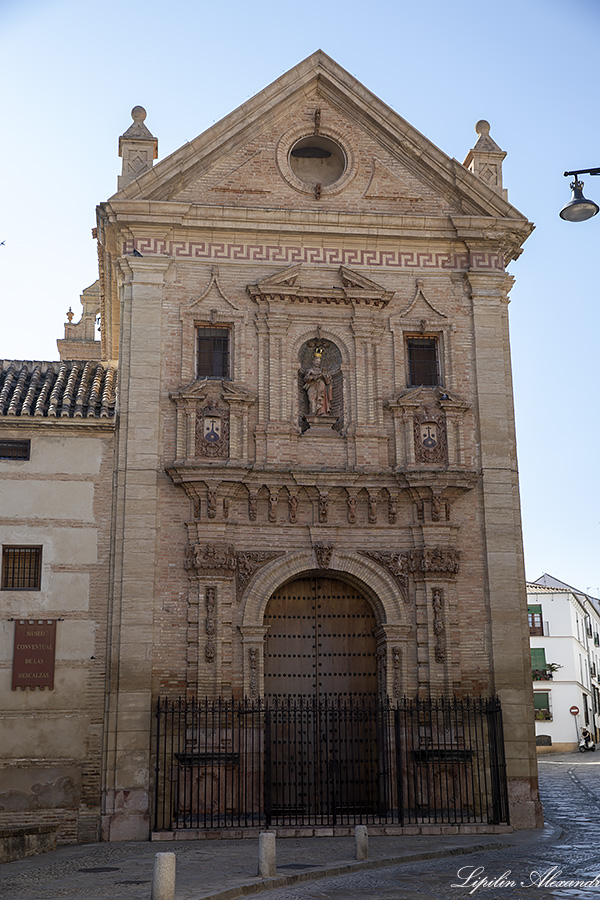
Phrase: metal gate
(334, 761)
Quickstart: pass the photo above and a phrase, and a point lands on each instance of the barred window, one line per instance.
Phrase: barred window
(213, 352)
(21, 568)
(423, 365)
(15, 449)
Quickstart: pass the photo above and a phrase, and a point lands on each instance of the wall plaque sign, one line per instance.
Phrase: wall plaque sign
(34, 654)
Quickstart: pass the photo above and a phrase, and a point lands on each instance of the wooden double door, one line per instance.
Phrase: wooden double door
(321, 689)
(320, 643)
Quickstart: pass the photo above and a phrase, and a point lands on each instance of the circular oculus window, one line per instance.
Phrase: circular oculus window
(317, 160)
(307, 160)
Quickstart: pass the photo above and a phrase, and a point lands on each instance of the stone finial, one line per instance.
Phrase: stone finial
(80, 340)
(485, 159)
(138, 147)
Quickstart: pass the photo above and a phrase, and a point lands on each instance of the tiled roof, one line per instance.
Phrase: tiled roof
(533, 588)
(71, 389)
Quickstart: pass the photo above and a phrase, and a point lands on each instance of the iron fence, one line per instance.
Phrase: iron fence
(300, 761)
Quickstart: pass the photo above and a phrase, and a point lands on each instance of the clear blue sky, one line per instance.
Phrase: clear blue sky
(71, 71)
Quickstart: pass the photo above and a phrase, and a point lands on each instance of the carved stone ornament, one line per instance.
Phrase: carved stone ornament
(211, 627)
(351, 502)
(381, 672)
(248, 562)
(253, 659)
(436, 560)
(211, 558)
(392, 510)
(439, 629)
(323, 554)
(395, 563)
(431, 445)
(212, 431)
(252, 507)
(323, 507)
(222, 559)
(397, 671)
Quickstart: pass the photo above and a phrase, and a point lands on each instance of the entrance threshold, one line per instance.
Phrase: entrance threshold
(284, 831)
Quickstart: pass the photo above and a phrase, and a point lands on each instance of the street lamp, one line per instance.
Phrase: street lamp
(578, 209)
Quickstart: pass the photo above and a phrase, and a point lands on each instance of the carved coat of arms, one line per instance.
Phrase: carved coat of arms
(212, 431)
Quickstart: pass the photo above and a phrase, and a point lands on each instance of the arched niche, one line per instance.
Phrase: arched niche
(320, 383)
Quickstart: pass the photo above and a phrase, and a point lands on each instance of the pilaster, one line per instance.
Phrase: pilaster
(134, 551)
(502, 527)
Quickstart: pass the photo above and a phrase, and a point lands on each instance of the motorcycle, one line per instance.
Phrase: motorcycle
(586, 745)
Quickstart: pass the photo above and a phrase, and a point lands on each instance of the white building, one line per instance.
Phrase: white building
(564, 629)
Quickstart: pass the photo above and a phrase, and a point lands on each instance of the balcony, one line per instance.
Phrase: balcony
(542, 674)
(543, 715)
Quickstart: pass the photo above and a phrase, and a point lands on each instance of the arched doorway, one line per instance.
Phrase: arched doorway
(320, 643)
(321, 691)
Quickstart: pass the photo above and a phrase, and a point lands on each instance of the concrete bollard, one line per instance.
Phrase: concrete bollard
(361, 836)
(163, 881)
(267, 862)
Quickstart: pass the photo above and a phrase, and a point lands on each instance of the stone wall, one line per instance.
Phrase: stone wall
(51, 749)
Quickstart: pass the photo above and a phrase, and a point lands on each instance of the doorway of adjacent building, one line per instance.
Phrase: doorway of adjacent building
(321, 691)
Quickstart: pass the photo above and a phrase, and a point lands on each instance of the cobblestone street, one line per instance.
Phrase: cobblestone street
(570, 785)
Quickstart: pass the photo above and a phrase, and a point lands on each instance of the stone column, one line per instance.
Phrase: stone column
(132, 578)
(504, 545)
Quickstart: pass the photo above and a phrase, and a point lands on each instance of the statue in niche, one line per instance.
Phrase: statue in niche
(320, 385)
(317, 384)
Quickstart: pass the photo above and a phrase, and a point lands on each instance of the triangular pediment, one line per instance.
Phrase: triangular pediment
(294, 284)
(213, 390)
(426, 397)
(238, 161)
(420, 305)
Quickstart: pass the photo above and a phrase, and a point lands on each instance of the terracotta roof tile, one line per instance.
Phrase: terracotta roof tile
(73, 389)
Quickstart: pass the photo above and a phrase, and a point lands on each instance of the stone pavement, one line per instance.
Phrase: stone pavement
(399, 868)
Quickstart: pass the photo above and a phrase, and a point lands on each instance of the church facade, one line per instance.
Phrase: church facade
(287, 474)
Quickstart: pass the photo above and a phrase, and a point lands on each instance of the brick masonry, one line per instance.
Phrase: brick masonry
(407, 243)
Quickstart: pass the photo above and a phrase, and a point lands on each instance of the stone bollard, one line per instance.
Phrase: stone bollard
(267, 864)
(163, 881)
(361, 837)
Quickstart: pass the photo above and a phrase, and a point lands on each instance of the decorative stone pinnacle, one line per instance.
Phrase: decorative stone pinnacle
(485, 159)
(138, 147)
(138, 131)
